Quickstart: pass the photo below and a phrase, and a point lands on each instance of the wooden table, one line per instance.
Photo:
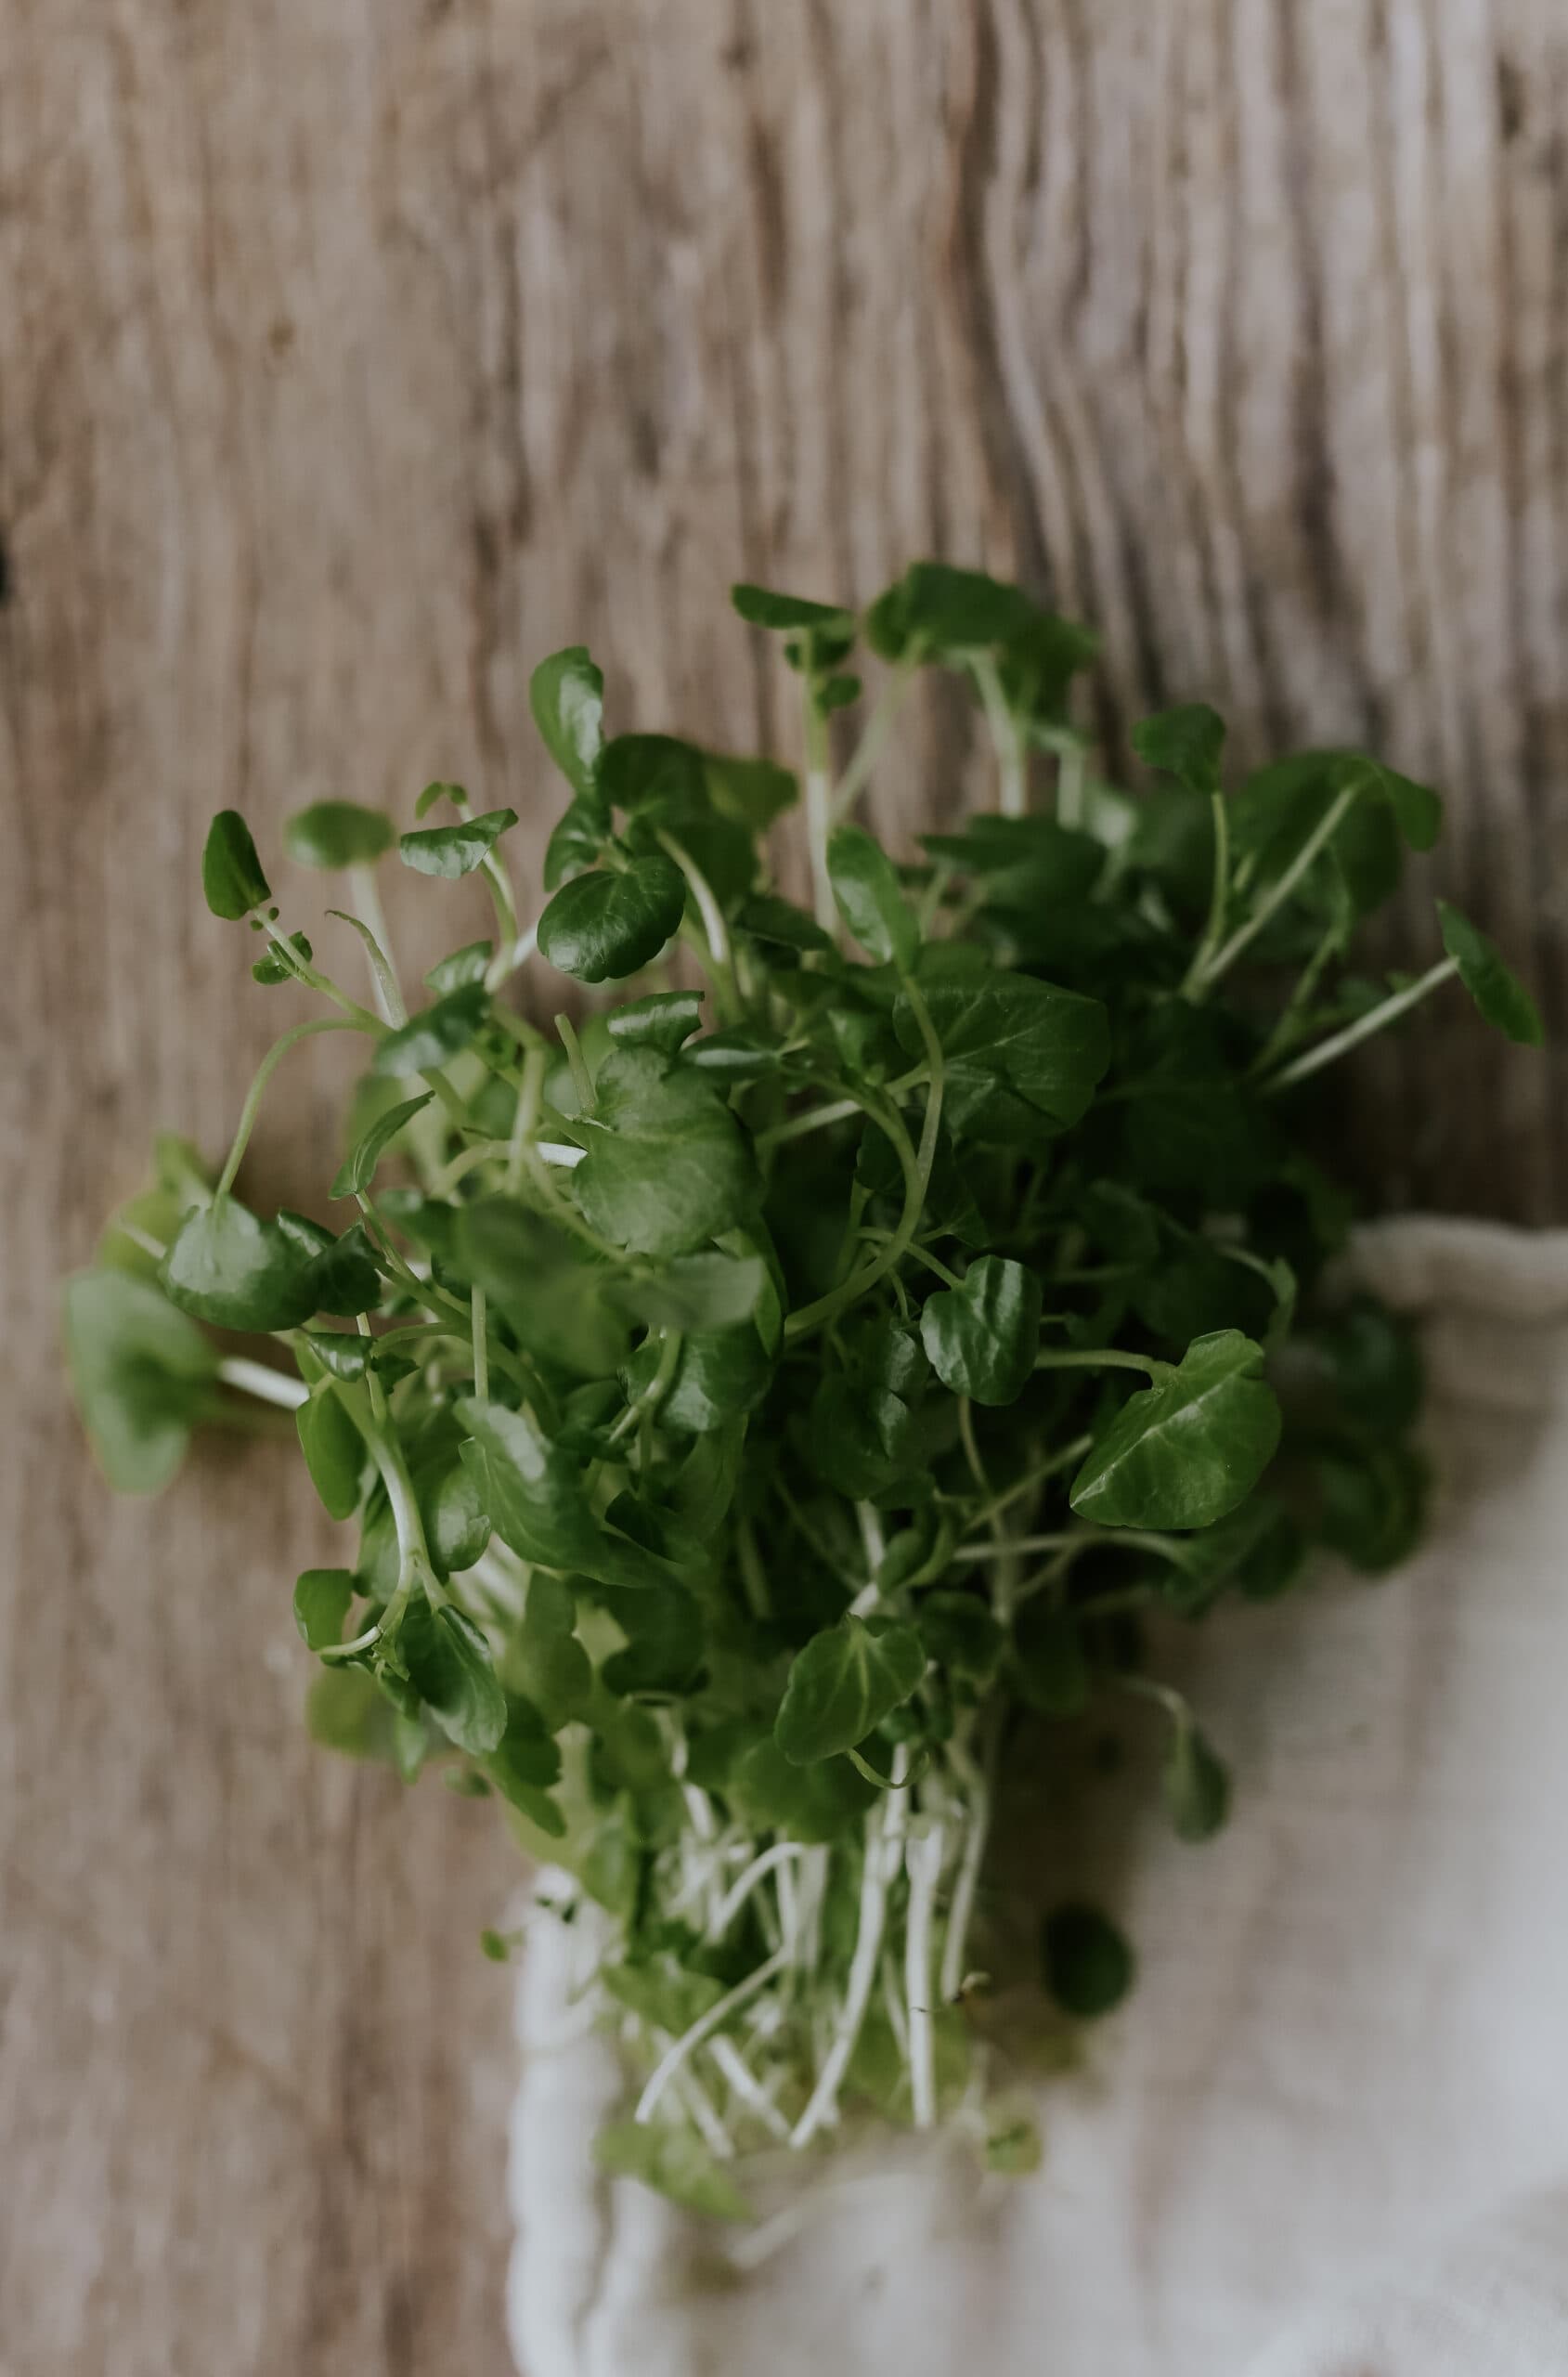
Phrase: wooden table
(352, 359)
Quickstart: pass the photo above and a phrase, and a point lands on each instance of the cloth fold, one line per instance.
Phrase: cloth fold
(1328, 2135)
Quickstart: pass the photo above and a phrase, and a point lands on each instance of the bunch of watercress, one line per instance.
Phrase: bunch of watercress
(763, 1406)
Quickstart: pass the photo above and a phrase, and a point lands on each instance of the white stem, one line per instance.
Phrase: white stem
(367, 899)
(1004, 735)
(1280, 891)
(883, 1850)
(923, 1863)
(961, 1915)
(1363, 1028)
(745, 2085)
(268, 1385)
(702, 2028)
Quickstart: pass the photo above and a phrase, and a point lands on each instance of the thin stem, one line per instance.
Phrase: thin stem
(885, 1831)
(268, 1385)
(582, 1081)
(819, 811)
(878, 726)
(1215, 925)
(525, 1120)
(1353, 1034)
(653, 1395)
(817, 1119)
(1004, 735)
(1280, 890)
(1107, 1357)
(264, 1071)
(727, 990)
(481, 1345)
(978, 1782)
(1033, 1478)
(312, 976)
(1069, 784)
(368, 899)
(741, 1889)
(1286, 1023)
(923, 1863)
(670, 2063)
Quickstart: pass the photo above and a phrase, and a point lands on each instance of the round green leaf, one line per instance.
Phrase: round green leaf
(321, 1600)
(566, 695)
(1023, 1057)
(843, 1683)
(231, 874)
(1088, 1964)
(760, 607)
(332, 834)
(1185, 741)
(666, 1167)
(228, 1267)
(449, 1666)
(982, 1337)
(141, 1373)
(606, 925)
(1196, 1784)
(334, 1452)
(1188, 1448)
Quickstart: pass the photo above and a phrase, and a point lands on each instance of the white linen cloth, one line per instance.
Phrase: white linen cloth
(1328, 2137)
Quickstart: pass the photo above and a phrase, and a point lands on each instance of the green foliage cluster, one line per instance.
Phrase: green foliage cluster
(757, 1408)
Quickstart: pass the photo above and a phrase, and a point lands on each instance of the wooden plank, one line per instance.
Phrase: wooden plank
(349, 360)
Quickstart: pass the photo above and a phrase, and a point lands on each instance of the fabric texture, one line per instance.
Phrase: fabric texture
(1328, 2137)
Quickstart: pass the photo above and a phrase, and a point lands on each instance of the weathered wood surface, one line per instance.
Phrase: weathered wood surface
(352, 358)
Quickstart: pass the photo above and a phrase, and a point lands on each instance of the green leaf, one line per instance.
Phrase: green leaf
(535, 1495)
(866, 890)
(1185, 741)
(662, 1021)
(606, 925)
(231, 874)
(1187, 1449)
(321, 1600)
(342, 1353)
(566, 695)
(357, 1170)
(861, 1441)
(1372, 1503)
(664, 1991)
(982, 1337)
(545, 1660)
(463, 966)
(710, 1291)
(273, 967)
(576, 842)
(141, 1373)
(813, 1804)
(228, 1267)
(761, 608)
(1196, 1784)
(752, 792)
(334, 1453)
(434, 793)
(666, 1167)
(332, 834)
(1497, 990)
(938, 613)
(562, 1306)
(452, 850)
(675, 2162)
(342, 1277)
(843, 1683)
(1023, 1057)
(449, 1666)
(524, 1764)
(1088, 1964)
(437, 1032)
(779, 925)
(345, 1712)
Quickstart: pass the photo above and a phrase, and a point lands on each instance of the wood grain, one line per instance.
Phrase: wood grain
(350, 359)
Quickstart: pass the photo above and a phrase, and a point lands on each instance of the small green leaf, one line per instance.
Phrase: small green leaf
(982, 1337)
(1185, 741)
(663, 1020)
(344, 1711)
(332, 834)
(1497, 990)
(1189, 1448)
(860, 1439)
(566, 695)
(675, 2162)
(535, 1495)
(449, 1665)
(273, 967)
(938, 613)
(1196, 1784)
(961, 1634)
(526, 1762)
(708, 1290)
(434, 793)
(452, 850)
(760, 607)
(437, 1032)
(1023, 1057)
(342, 1273)
(603, 925)
(321, 1600)
(357, 1172)
(1088, 1964)
(342, 1353)
(228, 1267)
(141, 1373)
(843, 1683)
(463, 966)
(866, 889)
(231, 874)
(334, 1452)
(779, 925)
(666, 1167)
(560, 1305)
(752, 792)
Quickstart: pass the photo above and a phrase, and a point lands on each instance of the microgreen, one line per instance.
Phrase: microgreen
(767, 1403)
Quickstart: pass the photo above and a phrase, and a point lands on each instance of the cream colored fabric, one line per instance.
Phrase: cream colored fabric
(1329, 2137)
